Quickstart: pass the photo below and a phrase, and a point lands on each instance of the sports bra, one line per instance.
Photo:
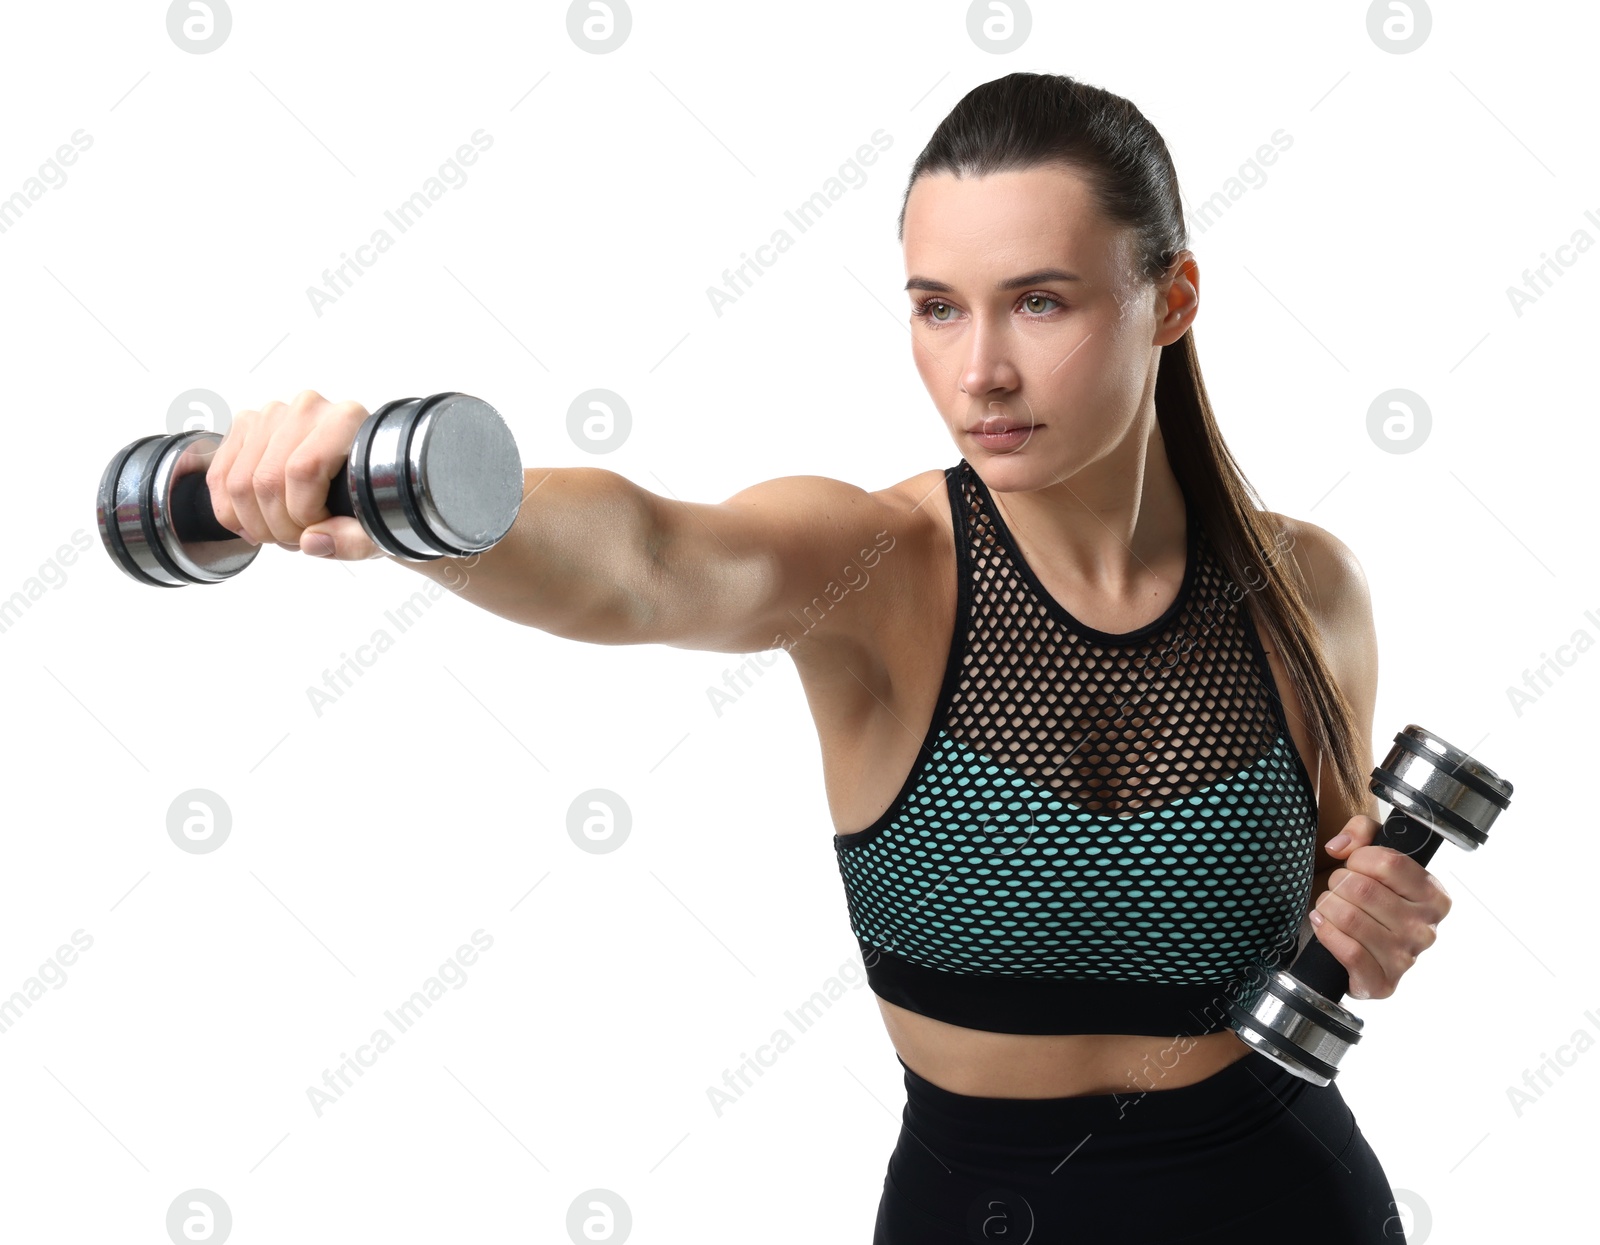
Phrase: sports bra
(1101, 833)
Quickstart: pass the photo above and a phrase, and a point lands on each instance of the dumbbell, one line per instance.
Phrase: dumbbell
(427, 478)
(1438, 792)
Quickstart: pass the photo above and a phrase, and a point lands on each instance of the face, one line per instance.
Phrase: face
(1027, 311)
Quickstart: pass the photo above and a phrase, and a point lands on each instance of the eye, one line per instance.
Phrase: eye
(923, 310)
(928, 309)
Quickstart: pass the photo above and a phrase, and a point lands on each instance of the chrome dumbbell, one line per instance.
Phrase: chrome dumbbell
(1438, 792)
(427, 478)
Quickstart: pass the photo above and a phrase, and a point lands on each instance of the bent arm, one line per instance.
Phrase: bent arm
(1341, 602)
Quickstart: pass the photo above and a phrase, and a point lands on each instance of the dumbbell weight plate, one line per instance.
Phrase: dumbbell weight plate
(142, 488)
(435, 477)
(1441, 787)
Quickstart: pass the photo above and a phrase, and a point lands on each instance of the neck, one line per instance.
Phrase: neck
(1112, 526)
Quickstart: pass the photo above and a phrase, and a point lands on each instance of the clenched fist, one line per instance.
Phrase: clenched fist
(269, 478)
(1380, 911)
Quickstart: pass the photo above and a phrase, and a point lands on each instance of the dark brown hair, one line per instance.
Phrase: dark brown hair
(1024, 120)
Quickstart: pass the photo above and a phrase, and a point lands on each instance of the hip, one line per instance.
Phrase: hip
(1188, 1164)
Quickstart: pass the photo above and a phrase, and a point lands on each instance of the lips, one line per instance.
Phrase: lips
(996, 426)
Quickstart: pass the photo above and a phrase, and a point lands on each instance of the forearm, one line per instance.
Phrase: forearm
(577, 562)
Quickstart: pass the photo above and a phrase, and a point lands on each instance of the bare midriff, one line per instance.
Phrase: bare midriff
(1026, 1065)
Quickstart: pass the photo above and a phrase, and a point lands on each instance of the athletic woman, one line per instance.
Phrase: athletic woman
(1095, 737)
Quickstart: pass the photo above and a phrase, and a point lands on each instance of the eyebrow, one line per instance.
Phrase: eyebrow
(1013, 283)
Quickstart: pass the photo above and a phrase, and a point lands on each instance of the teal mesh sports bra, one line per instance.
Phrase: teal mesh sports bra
(1102, 833)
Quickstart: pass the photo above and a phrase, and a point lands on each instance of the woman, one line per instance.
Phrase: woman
(1069, 723)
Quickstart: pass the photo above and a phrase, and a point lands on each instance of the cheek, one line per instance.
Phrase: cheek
(1078, 362)
(939, 370)
(1103, 362)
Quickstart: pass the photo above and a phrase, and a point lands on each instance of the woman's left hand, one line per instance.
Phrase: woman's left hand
(1380, 911)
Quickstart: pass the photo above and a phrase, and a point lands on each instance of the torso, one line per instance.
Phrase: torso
(872, 705)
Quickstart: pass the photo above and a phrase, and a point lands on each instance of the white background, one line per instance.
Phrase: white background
(368, 843)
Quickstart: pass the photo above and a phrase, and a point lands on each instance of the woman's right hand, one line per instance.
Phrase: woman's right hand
(269, 478)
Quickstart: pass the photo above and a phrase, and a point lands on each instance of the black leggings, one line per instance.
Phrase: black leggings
(1252, 1154)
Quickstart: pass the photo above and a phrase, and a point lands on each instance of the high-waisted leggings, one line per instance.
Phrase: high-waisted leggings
(1252, 1155)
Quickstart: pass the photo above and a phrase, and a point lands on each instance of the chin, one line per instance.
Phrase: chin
(1015, 470)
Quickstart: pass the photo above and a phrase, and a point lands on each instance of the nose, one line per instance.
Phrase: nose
(987, 367)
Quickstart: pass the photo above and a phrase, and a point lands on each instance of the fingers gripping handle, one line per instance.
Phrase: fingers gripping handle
(1316, 965)
(194, 520)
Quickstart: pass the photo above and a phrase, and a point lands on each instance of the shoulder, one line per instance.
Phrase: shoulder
(922, 496)
(913, 571)
(1336, 593)
(914, 512)
(825, 499)
(1328, 569)
(819, 543)
(921, 504)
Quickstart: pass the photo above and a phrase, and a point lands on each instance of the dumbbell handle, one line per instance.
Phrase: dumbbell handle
(1316, 965)
(193, 519)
